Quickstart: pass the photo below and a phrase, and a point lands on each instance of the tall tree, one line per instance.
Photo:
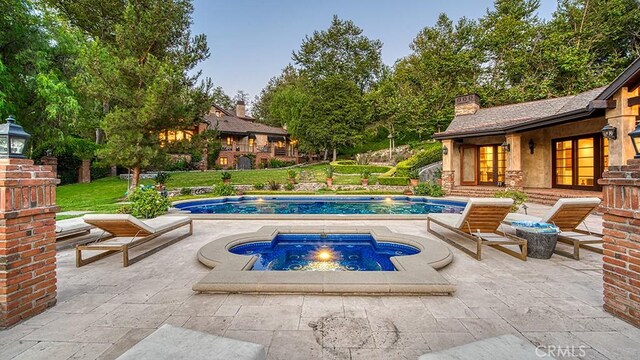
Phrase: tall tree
(138, 65)
(260, 109)
(220, 98)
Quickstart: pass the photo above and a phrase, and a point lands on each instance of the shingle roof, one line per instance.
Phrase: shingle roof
(502, 117)
(236, 125)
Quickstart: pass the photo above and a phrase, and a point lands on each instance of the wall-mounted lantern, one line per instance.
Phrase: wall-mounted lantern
(13, 140)
(445, 150)
(506, 147)
(532, 145)
(609, 132)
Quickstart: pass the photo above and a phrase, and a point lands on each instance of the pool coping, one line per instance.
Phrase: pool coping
(310, 216)
(416, 274)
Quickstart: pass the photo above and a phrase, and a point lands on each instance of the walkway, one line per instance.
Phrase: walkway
(104, 309)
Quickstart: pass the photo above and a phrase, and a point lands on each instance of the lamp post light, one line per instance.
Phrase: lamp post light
(635, 139)
(13, 140)
(445, 150)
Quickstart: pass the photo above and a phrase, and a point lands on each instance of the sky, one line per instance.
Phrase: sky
(252, 40)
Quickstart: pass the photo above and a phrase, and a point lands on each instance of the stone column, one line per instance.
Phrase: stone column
(623, 118)
(621, 209)
(513, 176)
(84, 175)
(448, 174)
(27, 239)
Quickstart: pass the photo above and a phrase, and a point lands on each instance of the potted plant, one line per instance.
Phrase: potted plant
(407, 191)
(329, 172)
(161, 180)
(226, 177)
(364, 177)
(292, 176)
(414, 175)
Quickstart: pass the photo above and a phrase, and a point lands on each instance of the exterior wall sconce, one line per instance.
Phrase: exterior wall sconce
(635, 139)
(13, 140)
(532, 146)
(609, 132)
(445, 150)
(506, 147)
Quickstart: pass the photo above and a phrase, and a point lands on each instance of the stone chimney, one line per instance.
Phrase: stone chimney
(467, 104)
(240, 111)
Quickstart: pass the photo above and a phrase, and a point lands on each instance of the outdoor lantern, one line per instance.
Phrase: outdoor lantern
(13, 139)
(532, 145)
(506, 147)
(635, 138)
(445, 150)
(609, 132)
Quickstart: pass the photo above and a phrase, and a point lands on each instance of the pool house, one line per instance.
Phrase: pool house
(548, 148)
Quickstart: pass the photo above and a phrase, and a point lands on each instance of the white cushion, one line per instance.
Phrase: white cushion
(511, 217)
(72, 225)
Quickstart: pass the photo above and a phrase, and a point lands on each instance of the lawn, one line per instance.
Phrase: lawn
(104, 195)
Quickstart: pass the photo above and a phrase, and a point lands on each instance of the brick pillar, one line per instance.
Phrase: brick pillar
(84, 174)
(514, 179)
(51, 161)
(27, 239)
(621, 209)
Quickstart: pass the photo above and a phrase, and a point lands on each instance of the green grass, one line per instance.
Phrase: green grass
(104, 195)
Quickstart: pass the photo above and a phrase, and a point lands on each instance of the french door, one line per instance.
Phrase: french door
(578, 161)
(491, 165)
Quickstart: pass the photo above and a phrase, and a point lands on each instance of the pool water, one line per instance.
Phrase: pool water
(333, 205)
(324, 252)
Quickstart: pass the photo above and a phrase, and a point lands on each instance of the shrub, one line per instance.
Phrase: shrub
(414, 174)
(161, 178)
(429, 155)
(289, 187)
(349, 167)
(429, 189)
(258, 186)
(277, 163)
(225, 175)
(273, 185)
(124, 209)
(329, 171)
(363, 159)
(224, 190)
(292, 174)
(148, 203)
(365, 174)
(99, 171)
(393, 181)
(185, 191)
(518, 197)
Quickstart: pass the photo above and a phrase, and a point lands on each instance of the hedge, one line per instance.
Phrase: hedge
(340, 168)
(393, 181)
(424, 157)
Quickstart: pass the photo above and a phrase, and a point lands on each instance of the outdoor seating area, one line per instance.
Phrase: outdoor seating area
(104, 309)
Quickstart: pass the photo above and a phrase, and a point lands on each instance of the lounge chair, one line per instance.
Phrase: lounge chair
(480, 222)
(567, 214)
(126, 232)
(72, 227)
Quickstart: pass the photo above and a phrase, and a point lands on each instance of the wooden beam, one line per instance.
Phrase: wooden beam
(633, 101)
(602, 104)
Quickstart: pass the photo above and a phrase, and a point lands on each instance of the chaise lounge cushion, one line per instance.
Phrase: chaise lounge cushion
(151, 226)
(71, 226)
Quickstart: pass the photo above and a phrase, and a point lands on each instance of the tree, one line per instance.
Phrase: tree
(138, 65)
(260, 109)
(220, 98)
(342, 50)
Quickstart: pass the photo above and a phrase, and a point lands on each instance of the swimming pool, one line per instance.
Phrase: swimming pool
(323, 252)
(321, 205)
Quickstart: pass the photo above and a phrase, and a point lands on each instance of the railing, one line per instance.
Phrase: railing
(281, 151)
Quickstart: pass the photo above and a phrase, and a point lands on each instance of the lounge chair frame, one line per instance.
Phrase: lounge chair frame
(480, 238)
(137, 239)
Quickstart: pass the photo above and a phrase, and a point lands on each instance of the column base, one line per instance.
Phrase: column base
(514, 179)
(448, 181)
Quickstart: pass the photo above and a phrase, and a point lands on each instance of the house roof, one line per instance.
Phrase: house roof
(500, 119)
(535, 114)
(231, 124)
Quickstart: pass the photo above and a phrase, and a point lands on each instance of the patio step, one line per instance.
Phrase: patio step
(538, 196)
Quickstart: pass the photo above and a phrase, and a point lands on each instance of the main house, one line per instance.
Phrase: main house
(245, 143)
(561, 143)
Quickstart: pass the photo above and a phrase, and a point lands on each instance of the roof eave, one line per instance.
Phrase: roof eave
(631, 72)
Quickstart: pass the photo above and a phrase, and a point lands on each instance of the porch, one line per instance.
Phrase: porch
(535, 195)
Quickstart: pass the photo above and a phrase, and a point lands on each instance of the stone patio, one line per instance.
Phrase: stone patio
(104, 309)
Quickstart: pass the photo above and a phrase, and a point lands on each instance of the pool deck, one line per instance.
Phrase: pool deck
(103, 309)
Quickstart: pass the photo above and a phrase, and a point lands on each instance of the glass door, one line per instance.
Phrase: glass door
(468, 165)
(486, 165)
(577, 162)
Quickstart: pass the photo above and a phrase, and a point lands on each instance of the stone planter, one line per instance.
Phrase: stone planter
(364, 182)
(226, 181)
(329, 182)
(414, 182)
(292, 181)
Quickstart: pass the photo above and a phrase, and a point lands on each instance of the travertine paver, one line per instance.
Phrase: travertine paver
(104, 309)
